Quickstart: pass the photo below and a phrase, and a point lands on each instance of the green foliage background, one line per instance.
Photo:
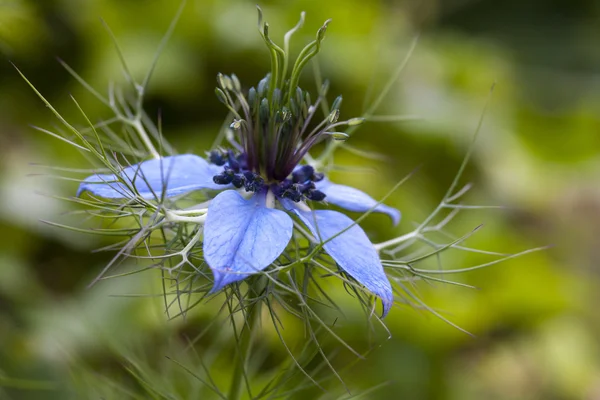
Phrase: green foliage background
(535, 318)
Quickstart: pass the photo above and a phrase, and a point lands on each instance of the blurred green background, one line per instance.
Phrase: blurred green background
(535, 318)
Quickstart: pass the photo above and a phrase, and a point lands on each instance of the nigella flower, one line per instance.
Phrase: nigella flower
(264, 182)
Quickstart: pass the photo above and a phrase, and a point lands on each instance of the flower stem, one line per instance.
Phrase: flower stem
(397, 240)
(251, 324)
(139, 128)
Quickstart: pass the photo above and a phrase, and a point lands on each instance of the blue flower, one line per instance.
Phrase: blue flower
(263, 186)
(242, 235)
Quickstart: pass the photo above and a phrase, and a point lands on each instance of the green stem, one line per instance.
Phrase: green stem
(251, 324)
(139, 128)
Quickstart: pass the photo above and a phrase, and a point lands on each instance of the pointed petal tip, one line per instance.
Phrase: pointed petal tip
(392, 212)
(222, 279)
(386, 305)
(352, 251)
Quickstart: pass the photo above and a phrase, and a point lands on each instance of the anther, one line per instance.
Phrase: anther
(222, 179)
(249, 176)
(280, 189)
(233, 162)
(258, 183)
(238, 180)
(293, 194)
(315, 195)
(242, 160)
(303, 174)
(318, 177)
(252, 181)
(305, 187)
(216, 157)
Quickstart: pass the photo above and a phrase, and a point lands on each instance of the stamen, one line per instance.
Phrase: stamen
(293, 194)
(253, 182)
(318, 177)
(236, 172)
(249, 176)
(305, 187)
(315, 195)
(276, 130)
(280, 189)
(238, 181)
(222, 179)
(303, 174)
(216, 157)
(233, 162)
(239, 176)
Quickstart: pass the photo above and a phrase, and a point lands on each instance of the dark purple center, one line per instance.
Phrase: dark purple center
(300, 187)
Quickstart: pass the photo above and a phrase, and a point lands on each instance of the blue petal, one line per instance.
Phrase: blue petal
(352, 250)
(175, 175)
(354, 200)
(242, 237)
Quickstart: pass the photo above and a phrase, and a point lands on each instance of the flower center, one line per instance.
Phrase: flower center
(273, 126)
(301, 185)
